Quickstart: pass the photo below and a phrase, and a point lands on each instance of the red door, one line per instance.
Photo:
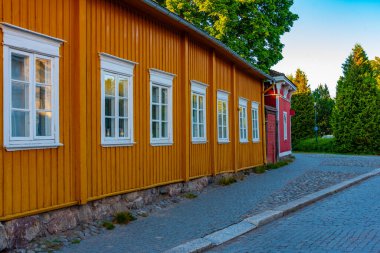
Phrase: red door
(271, 137)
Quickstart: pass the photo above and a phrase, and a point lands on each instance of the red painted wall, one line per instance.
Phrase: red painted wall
(284, 106)
(271, 138)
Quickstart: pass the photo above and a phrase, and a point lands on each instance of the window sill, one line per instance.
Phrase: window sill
(244, 142)
(223, 141)
(110, 145)
(32, 147)
(157, 144)
(256, 141)
(199, 142)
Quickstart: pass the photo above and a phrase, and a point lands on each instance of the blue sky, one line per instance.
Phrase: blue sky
(323, 36)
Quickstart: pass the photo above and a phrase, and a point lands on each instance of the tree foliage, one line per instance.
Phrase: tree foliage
(376, 68)
(302, 103)
(252, 28)
(356, 115)
(325, 105)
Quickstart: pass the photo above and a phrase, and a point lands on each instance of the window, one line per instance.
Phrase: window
(285, 126)
(243, 122)
(198, 111)
(31, 89)
(222, 107)
(116, 100)
(161, 110)
(255, 122)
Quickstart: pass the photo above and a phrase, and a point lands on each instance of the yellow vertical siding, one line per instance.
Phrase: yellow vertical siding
(33, 180)
(249, 154)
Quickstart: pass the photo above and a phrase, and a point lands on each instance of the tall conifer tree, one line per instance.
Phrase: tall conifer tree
(302, 103)
(356, 115)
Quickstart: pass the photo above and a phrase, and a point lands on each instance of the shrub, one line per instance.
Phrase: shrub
(310, 145)
(190, 195)
(226, 181)
(259, 170)
(123, 218)
(108, 225)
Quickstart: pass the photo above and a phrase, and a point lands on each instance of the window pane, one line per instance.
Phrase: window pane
(201, 102)
(164, 95)
(123, 127)
(164, 113)
(201, 117)
(224, 120)
(110, 127)
(195, 116)
(224, 132)
(164, 130)
(224, 107)
(220, 106)
(109, 85)
(155, 112)
(220, 132)
(202, 130)
(123, 107)
(20, 67)
(109, 106)
(155, 94)
(20, 96)
(194, 101)
(43, 71)
(43, 97)
(43, 124)
(220, 119)
(123, 88)
(195, 130)
(155, 129)
(20, 124)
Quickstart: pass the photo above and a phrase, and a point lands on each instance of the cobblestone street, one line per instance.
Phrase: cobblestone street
(218, 207)
(346, 222)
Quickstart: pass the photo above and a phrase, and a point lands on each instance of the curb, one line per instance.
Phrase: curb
(224, 235)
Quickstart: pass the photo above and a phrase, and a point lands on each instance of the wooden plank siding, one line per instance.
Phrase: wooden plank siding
(34, 181)
(39, 180)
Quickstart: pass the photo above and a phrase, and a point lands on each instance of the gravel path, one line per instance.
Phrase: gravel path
(218, 207)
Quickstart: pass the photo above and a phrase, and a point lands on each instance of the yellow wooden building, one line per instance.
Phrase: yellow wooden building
(104, 97)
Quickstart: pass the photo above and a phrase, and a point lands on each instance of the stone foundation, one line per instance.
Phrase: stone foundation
(17, 233)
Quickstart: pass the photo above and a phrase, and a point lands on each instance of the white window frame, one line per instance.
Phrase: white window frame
(223, 97)
(243, 110)
(35, 45)
(162, 79)
(119, 68)
(255, 110)
(199, 90)
(285, 123)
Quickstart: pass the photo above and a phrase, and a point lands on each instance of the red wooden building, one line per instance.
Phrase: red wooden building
(278, 116)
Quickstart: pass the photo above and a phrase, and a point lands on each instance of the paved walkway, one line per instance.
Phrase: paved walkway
(219, 207)
(346, 222)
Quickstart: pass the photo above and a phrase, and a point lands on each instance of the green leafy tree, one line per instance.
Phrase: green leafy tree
(325, 105)
(302, 103)
(356, 115)
(252, 28)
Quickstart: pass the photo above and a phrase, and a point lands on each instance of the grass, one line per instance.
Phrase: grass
(108, 225)
(75, 241)
(224, 181)
(123, 218)
(190, 195)
(273, 166)
(259, 170)
(310, 145)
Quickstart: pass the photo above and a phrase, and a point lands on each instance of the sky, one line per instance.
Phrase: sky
(323, 36)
